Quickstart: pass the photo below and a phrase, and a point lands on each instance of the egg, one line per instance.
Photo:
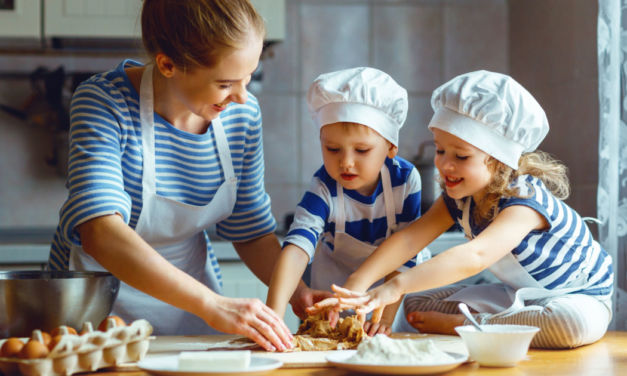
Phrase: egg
(115, 322)
(33, 350)
(46, 338)
(11, 347)
(63, 329)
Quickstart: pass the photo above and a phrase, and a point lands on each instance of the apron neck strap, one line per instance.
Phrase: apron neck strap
(388, 199)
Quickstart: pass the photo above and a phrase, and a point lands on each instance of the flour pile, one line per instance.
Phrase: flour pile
(384, 350)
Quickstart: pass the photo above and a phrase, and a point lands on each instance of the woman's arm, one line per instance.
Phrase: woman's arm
(506, 232)
(126, 255)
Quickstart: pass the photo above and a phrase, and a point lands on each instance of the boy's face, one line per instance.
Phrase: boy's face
(353, 155)
(463, 168)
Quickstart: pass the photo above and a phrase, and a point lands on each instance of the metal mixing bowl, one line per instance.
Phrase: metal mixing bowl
(46, 299)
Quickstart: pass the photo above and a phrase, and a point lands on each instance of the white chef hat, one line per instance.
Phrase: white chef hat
(492, 112)
(361, 95)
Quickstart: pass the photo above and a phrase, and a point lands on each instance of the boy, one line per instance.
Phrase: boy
(360, 196)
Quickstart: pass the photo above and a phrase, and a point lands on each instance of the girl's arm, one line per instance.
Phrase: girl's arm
(401, 246)
(286, 276)
(384, 326)
(120, 250)
(506, 232)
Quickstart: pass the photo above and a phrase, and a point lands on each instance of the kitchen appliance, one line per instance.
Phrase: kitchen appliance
(428, 174)
(47, 299)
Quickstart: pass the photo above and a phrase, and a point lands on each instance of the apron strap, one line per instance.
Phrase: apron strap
(466, 218)
(223, 150)
(146, 114)
(388, 198)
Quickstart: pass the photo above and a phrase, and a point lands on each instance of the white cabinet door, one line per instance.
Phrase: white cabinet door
(92, 18)
(121, 18)
(273, 13)
(20, 18)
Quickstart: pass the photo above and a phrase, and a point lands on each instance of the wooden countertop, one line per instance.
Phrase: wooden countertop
(606, 357)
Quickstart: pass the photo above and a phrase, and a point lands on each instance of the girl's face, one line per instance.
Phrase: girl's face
(463, 168)
(353, 155)
(206, 92)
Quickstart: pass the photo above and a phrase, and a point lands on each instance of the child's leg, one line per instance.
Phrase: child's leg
(566, 321)
(432, 300)
(428, 312)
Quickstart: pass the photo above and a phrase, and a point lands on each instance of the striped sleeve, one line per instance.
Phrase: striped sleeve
(251, 217)
(310, 217)
(95, 179)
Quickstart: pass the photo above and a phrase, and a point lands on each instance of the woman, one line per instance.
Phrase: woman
(163, 151)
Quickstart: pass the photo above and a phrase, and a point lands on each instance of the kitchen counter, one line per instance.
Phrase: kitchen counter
(606, 357)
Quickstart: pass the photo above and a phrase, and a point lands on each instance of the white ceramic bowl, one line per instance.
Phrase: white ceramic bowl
(497, 345)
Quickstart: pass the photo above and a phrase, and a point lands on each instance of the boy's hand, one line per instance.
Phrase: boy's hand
(305, 298)
(377, 328)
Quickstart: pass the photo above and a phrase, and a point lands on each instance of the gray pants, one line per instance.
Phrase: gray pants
(565, 321)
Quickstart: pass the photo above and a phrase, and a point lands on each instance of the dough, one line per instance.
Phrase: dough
(315, 334)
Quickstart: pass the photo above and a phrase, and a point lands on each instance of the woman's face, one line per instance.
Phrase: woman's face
(463, 168)
(206, 92)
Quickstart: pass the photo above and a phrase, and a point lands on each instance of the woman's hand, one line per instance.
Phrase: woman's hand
(250, 318)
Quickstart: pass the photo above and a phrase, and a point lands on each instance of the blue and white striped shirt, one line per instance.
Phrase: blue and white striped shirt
(557, 256)
(105, 164)
(314, 219)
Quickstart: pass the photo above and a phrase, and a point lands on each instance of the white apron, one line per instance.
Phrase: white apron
(519, 285)
(335, 266)
(173, 229)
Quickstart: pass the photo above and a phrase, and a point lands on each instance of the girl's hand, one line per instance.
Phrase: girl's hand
(250, 318)
(366, 302)
(373, 329)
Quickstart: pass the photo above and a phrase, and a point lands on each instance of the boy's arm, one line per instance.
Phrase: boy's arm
(286, 276)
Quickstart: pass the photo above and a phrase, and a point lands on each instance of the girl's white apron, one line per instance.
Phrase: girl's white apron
(518, 284)
(172, 228)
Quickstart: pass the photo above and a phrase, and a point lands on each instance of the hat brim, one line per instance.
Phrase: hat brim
(358, 113)
(478, 135)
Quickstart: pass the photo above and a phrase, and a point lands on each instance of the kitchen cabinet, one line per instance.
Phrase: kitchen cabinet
(92, 18)
(20, 19)
(101, 19)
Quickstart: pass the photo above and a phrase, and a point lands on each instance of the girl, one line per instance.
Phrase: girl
(507, 199)
(159, 153)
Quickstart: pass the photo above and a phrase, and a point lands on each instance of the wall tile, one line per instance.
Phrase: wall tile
(407, 44)
(280, 137)
(476, 37)
(333, 37)
(415, 130)
(281, 62)
(284, 197)
(310, 153)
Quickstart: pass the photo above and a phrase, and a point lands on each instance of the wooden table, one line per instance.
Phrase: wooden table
(606, 357)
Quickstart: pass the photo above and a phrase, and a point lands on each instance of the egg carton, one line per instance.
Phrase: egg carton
(86, 353)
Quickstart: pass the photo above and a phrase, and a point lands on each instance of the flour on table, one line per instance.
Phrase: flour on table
(382, 349)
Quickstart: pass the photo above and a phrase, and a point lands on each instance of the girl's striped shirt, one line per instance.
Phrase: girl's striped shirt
(560, 255)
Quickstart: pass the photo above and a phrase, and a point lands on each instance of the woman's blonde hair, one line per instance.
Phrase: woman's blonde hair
(193, 32)
(552, 172)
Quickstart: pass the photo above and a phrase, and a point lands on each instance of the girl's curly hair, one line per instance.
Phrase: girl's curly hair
(552, 172)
